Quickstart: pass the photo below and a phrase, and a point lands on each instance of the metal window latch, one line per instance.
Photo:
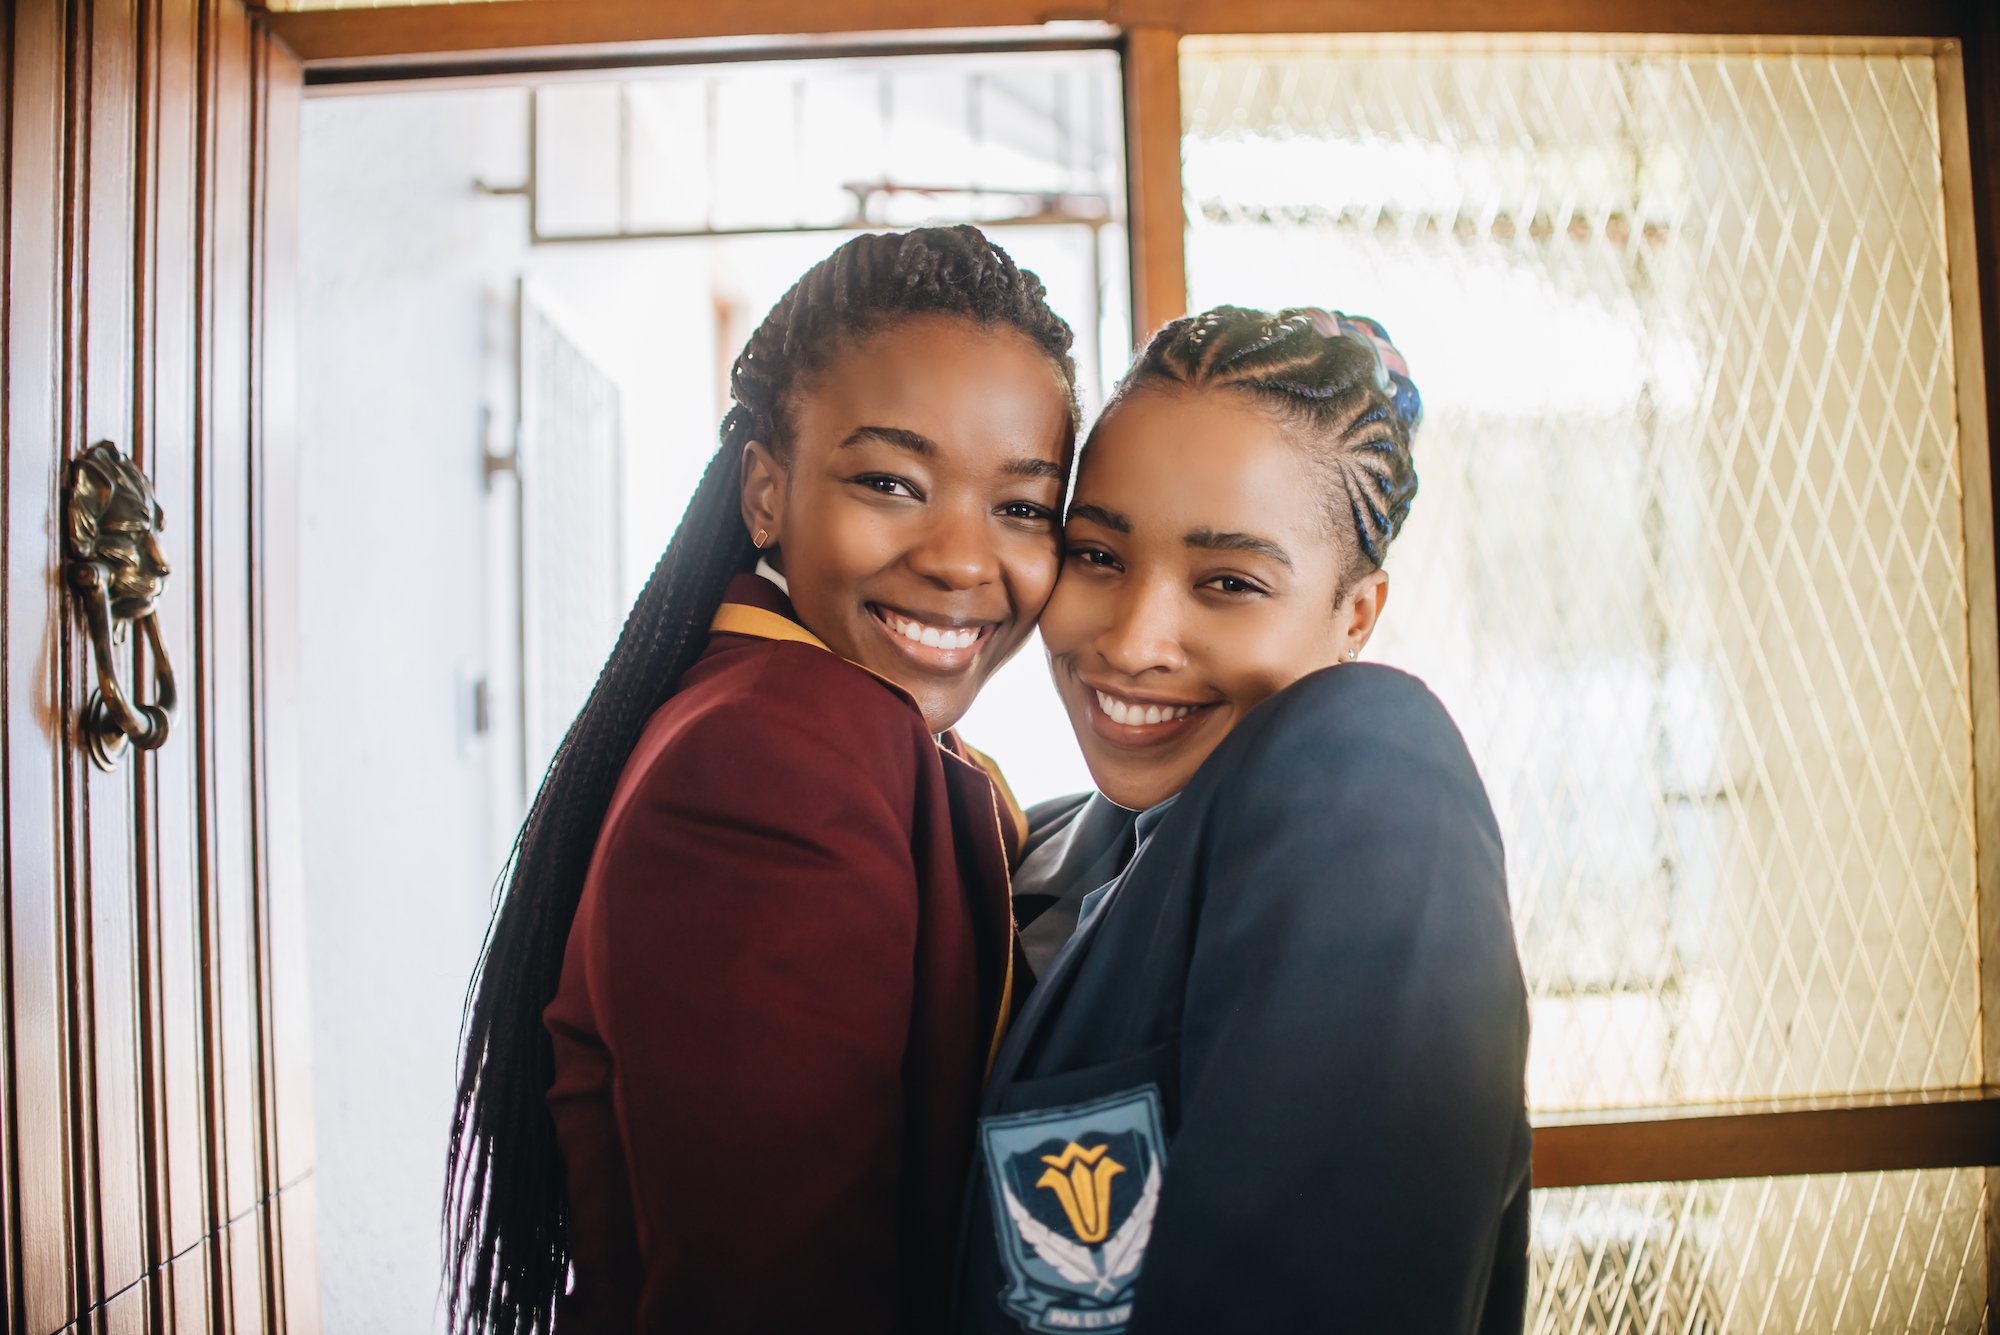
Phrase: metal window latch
(117, 571)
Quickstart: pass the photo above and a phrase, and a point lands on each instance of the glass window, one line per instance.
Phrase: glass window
(1868, 1252)
(1688, 564)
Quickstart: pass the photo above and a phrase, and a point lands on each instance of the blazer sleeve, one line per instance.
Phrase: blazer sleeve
(751, 970)
(1352, 1150)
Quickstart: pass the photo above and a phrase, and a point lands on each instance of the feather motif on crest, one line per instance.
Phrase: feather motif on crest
(1128, 1245)
(1121, 1256)
(1071, 1260)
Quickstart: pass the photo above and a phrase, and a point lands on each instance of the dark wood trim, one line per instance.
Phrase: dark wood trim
(371, 76)
(256, 165)
(1880, 1139)
(1981, 66)
(1158, 221)
(12, 1310)
(523, 26)
(73, 782)
(41, 1202)
(1803, 18)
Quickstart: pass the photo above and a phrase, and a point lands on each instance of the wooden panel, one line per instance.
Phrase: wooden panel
(1979, 85)
(130, 1313)
(11, 1317)
(1880, 1139)
(244, 1240)
(223, 683)
(135, 979)
(39, 1020)
(527, 25)
(170, 777)
(1969, 123)
(107, 882)
(189, 1291)
(298, 1210)
(1153, 178)
(277, 554)
(10, 1260)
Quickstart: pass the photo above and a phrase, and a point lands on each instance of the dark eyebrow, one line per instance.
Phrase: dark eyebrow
(1097, 514)
(912, 441)
(924, 447)
(1210, 540)
(1026, 467)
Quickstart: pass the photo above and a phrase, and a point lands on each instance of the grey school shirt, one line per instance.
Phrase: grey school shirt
(1077, 847)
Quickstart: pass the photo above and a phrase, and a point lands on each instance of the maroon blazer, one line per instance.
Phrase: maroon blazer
(781, 992)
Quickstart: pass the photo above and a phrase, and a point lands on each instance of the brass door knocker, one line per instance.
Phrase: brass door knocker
(118, 572)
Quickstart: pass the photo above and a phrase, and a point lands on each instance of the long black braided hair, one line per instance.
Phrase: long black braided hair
(505, 1208)
(1336, 379)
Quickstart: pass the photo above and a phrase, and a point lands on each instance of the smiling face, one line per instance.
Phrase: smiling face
(1201, 577)
(914, 510)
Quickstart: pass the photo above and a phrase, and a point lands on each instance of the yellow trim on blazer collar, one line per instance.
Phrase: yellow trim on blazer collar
(1018, 817)
(743, 619)
(762, 624)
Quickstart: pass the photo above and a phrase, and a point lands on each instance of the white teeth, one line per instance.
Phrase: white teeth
(930, 636)
(1134, 715)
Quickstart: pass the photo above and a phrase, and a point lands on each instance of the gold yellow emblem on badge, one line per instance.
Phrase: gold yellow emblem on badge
(1081, 1180)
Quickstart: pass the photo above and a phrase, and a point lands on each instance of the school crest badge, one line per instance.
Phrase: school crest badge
(1074, 1194)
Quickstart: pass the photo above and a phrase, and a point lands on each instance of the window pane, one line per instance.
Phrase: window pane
(1000, 138)
(1688, 562)
(1887, 1252)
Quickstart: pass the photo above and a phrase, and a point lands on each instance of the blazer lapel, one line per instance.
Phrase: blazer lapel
(1100, 844)
(979, 814)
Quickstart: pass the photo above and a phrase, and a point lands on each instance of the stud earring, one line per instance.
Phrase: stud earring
(1350, 655)
(763, 536)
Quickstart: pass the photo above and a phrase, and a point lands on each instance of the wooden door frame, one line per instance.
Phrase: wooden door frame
(513, 36)
(327, 38)
(150, 936)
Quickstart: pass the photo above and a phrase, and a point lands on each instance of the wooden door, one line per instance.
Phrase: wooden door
(156, 1156)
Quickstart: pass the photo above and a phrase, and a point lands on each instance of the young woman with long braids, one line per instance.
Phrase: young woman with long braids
(1274, 1080)
(724, 1049)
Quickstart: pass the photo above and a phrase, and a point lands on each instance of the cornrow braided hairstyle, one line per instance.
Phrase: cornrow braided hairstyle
(1335, 379)
(505, 1208)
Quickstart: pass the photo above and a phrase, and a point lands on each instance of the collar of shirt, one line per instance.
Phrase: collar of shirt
(772, 573)
(1143, 827)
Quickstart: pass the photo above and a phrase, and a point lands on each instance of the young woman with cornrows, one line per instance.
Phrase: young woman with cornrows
(1271, 1075)
(725, 1047)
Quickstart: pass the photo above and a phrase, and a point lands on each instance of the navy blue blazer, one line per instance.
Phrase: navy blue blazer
(1275, 1083)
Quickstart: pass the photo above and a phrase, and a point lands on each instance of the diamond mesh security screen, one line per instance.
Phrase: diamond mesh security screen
(1688, 561)
(1827, 1255)
(570, 439)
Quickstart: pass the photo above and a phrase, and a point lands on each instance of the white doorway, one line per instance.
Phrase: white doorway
(610, 242)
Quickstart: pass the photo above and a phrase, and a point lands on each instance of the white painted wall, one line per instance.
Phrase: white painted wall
(406, 273)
